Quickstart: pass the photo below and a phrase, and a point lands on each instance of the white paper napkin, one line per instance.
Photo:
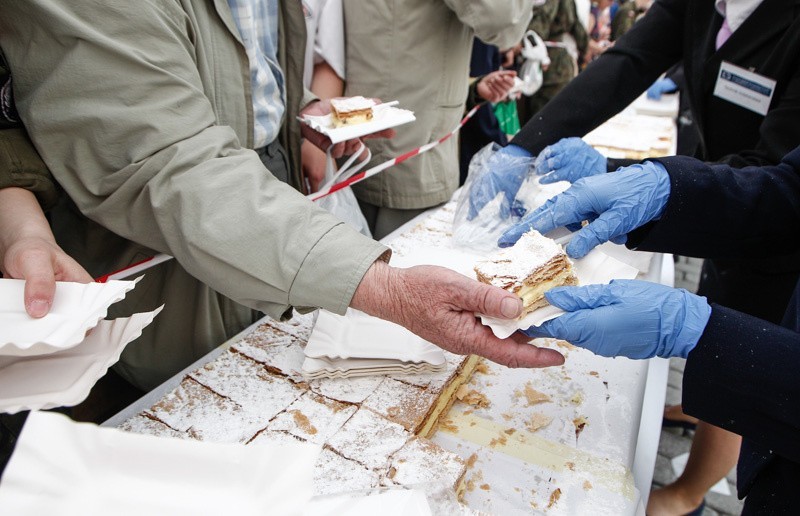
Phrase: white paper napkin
(62, 467)
(77, 307)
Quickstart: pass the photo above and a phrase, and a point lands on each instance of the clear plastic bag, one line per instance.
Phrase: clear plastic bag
(343, 203)
(530, 73)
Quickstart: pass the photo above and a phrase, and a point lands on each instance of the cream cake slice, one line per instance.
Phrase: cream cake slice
(351, 111)
(531, 267)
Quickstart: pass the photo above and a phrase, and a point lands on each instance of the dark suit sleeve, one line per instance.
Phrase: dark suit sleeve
(612, 81)
(742, 376)
(715, 211)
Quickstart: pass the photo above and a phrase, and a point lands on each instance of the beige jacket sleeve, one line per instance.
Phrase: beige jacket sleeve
(497, 22)
(112, 98)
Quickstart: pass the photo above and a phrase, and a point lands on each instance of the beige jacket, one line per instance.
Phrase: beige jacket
(142, 111)
(418, 52)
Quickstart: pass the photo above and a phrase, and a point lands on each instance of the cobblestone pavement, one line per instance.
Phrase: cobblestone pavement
(675, 441)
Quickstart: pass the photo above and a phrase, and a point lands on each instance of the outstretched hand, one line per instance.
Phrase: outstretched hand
(440, 305)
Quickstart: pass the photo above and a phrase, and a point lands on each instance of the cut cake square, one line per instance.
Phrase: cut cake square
(529, 268)
(351, 110)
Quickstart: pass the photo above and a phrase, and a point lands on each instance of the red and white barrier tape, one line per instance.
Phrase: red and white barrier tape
(355, 178)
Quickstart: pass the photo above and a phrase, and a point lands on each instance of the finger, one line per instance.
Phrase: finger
(556, 212)
(40, 283)
(337, 151)
(485, 299)
(584, 297)
(516, 352)
(608, 225)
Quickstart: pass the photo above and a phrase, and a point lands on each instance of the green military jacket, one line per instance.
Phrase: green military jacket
(551, 21)
(142, 112)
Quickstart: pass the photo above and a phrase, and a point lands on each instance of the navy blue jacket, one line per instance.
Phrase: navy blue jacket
(743, 375)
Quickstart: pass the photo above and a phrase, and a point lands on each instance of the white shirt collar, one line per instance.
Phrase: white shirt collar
(736, 11)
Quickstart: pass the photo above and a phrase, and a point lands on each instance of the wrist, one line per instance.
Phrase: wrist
(697, 314)
(374, 293)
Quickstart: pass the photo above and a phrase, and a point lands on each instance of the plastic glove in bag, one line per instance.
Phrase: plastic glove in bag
(343, 203)
(530, 73)
(481, 231)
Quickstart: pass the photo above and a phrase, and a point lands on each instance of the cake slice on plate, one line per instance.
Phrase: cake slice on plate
(351, 111)
(534, 265)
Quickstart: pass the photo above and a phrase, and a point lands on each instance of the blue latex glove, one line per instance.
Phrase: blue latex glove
(660, 87)
(569, 160)
(615, 204)
(507, 168)
(629, 318)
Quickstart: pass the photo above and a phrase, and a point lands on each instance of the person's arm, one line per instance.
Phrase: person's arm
(132, 137)
(716, 211)
(612, 81)
(679, 205)
(741, 372)
(501, 24)
(29, 251)
(742, 376)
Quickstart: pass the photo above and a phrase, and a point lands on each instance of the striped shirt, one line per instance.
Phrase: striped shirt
(257, 21)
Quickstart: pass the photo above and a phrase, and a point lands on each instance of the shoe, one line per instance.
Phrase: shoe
(699, 510)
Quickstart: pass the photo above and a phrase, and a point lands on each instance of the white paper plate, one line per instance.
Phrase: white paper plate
(65, 378)
(76, 308)
(345, 368)
(383, 118)
(358, 335)
(62, 467)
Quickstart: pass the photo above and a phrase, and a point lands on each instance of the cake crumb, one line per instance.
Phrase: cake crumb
(502, 440)
(485, 487)
(564, 344)
(471, 460)
(302, 422)
(580, 424)
(587, 485)
(532, 396)
(554, 496)
(577, 398)
(537, 421)
(448, 426)
(594, 373)
(510, 431)
(507, 416)
(472, 397)
(482, 368)
(570, 466)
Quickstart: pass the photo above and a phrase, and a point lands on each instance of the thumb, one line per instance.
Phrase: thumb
(40, 284)
(491, 301)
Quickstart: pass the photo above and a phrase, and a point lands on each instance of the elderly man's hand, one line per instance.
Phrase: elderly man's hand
(345, 148)
(439, 305)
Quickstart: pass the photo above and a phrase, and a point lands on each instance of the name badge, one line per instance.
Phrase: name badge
(744, 88)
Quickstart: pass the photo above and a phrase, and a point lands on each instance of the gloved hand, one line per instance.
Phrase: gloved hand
(634, 319)
(506, 169)
(569, 160)
(615, 204)
(660, 87)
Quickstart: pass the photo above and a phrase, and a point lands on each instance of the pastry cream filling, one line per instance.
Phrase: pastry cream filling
(447, 396)
(532, 293)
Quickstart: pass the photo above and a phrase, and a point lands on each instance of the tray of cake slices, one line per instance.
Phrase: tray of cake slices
(353, 117)
(54, 360)
(357, 344)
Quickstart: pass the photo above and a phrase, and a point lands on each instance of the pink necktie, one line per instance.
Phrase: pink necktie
(724, 33)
